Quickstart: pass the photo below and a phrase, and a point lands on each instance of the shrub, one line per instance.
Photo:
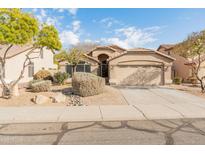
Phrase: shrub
(60, 77)
(177, 80)
(193, 80)
(43, 75)
(87, 84)
(40, 85)
(32, 82)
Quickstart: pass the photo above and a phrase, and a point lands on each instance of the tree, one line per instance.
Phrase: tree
(193, 47)
(20, 28)
(74, 57)
(85, 46)
(61, 56)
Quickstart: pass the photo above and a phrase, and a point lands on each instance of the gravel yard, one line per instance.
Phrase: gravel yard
(111, 96)
(195, 90)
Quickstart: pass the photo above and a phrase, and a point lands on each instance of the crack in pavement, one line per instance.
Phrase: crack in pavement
(169, 140)
(168, 135)
(65, 130)
(167, 105)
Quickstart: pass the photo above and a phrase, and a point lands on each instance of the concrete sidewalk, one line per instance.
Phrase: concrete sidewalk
(68, 114)
(79, 114)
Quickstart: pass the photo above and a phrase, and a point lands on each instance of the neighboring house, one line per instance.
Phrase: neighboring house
(127, 67)
(181, 66)
(17, 55)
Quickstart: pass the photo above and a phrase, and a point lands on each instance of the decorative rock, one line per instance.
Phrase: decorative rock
(87, 84)
(59, 98)
(40, 99)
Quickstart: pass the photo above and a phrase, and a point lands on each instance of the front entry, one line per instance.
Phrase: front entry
(103, 67)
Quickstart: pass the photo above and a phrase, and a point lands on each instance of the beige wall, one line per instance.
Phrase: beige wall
(108, 52)
(14, 65)
(202, 69)
(181, 70)
(149, 66)
(136, 75)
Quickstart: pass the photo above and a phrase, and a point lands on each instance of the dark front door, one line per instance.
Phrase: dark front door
(104, 69)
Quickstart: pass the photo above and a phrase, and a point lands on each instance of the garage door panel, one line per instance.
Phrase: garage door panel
(140, 75)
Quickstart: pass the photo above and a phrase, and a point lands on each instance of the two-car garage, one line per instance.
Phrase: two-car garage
(139, 75)
(140, 68)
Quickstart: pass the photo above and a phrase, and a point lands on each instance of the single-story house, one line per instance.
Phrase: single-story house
(120, 66)
(16, 57)
(182, 66)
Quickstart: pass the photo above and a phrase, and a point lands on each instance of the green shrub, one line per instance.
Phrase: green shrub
(32, 82)
(60, 77)
(87, 84)
(43, 75)
(177, 80)
(40, 85)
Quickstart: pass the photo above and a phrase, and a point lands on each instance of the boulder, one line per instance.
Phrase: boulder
(40, 99)
(87, 84)
(59, 98)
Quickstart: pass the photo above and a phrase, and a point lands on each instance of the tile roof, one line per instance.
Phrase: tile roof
(15, 50)
(166, 46)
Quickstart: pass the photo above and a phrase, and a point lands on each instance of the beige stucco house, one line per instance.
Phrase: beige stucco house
(120, 66)
(182, 66)
(15, 59)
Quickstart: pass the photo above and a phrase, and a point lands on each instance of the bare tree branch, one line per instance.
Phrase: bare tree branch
(25, 64)
(5, 53)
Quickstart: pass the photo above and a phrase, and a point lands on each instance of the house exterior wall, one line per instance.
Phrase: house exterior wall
(179, 68)
(14, 65)
(108, 52)
(149, 67)
(130, 64)
(202, 69)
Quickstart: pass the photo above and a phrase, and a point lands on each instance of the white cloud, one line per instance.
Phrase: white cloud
(73, 11)
(69, 38)
(51, 21)
(43, 13)
(132, 37)
(88, 41)
(43, 17)
(60, 10)
(34, 10)
(76, 25)
(108, 22)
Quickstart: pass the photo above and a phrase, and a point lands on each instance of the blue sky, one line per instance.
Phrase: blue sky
(128, 28)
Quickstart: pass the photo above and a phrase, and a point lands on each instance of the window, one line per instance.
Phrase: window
(31, 70)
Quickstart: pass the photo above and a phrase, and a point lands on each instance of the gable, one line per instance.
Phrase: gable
(133, 58)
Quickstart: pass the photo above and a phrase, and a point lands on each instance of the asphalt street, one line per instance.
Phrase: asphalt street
(180, 131)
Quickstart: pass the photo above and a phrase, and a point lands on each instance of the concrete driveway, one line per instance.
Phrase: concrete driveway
(164, 103)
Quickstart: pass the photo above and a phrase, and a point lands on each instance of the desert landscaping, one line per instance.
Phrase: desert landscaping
(62, 95)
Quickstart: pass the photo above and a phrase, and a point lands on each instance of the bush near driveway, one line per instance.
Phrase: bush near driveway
(43, 75)
(177, 80)
(87, 84)
(40, 85)
(60, 77)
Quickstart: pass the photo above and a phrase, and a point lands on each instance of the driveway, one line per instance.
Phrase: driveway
(164, 103)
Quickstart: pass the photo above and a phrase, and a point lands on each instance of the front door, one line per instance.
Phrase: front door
(104, 69)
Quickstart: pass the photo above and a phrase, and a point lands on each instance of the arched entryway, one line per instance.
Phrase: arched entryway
(103, 67)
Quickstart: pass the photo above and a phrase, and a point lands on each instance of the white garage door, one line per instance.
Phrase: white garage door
(140, 75)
